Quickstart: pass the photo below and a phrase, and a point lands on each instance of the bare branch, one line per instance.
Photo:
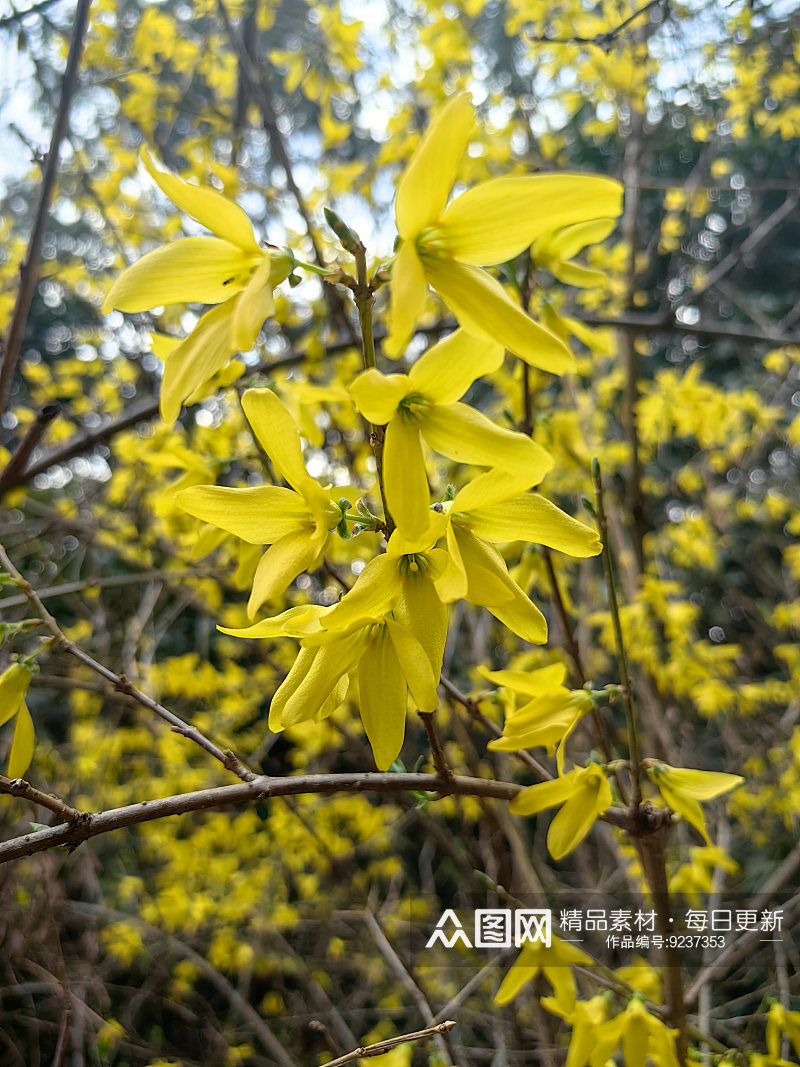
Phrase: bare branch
(29, 271)
(380, 1047)
(94, 825)
(121, 683)
(18, 787)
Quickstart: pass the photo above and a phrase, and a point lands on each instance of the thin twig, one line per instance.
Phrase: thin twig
(633, 736)
(655, 323)
(380, 1047)
(29, 270)
(34, 434)
(121, 683)
(19, 787)
(601, 40)
(437, 752)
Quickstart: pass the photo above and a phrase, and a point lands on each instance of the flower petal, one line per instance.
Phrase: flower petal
(496, 220)
(327, 667)
(200, 270)
(515, 610)
(483, 307)
(196, 359)
(283, 625)
(377, 395)
(415, 665)
(428, 178)
(568, 242)
(407, 299)
(260, 515)
(579, 813)
(407, 492)
(382, 698)
(21, 754)
(488, 488)
(14, 683)
(375, 590)
(531, 683)
(452, 583)
(421, 611)
(208, 207)
(279, 566)
(544, 795)
(445, 372)
(465, 435)
(531, 517)
(277, 434)
(253, 306)
(289, 686)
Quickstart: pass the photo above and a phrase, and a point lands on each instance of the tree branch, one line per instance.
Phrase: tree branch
(29, 271)
(121, 683)
(380, 1047)
(94, 825)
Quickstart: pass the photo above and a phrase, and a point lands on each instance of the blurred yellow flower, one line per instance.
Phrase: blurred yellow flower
(683, 787)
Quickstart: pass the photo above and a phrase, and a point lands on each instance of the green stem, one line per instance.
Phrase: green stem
(633, 737)
(312, 267)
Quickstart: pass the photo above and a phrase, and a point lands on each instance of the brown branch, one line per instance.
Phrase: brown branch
(94, 825)
(654, 323)
(380, 1047)
(437, 752)
(142, 414)
(472, 709)
(29, 270)
(19, 787)
(121, 683)
(36, 431)
(112, 581)
(606, 39)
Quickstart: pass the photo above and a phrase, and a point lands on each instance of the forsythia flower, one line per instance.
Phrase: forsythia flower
(555, 251)
(230, 270)
(585, 1046)
(554, 961)
(490, 508)
(425, 402)
(294, 522)
(781, 1021)
(489, 224)
(682, 788)
(548, 718)
(387, 657)
(584, 793)
(14, 683)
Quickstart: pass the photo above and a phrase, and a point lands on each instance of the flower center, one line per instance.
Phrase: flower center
(432, 244)
(414, 407)
(413, 563)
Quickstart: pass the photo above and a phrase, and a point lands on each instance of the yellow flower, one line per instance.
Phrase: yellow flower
(295, 522)
(781, 1021)
(230, 270)
(491, 223)
(14, 683)
(555, 251)
(584, 793)
(586, 1046)
(548, 718)
(682, 788)
(491, 508)
(424, 403)
(384, 653)
(555, 964)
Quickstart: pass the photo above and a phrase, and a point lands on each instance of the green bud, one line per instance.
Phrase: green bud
(349, 238)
